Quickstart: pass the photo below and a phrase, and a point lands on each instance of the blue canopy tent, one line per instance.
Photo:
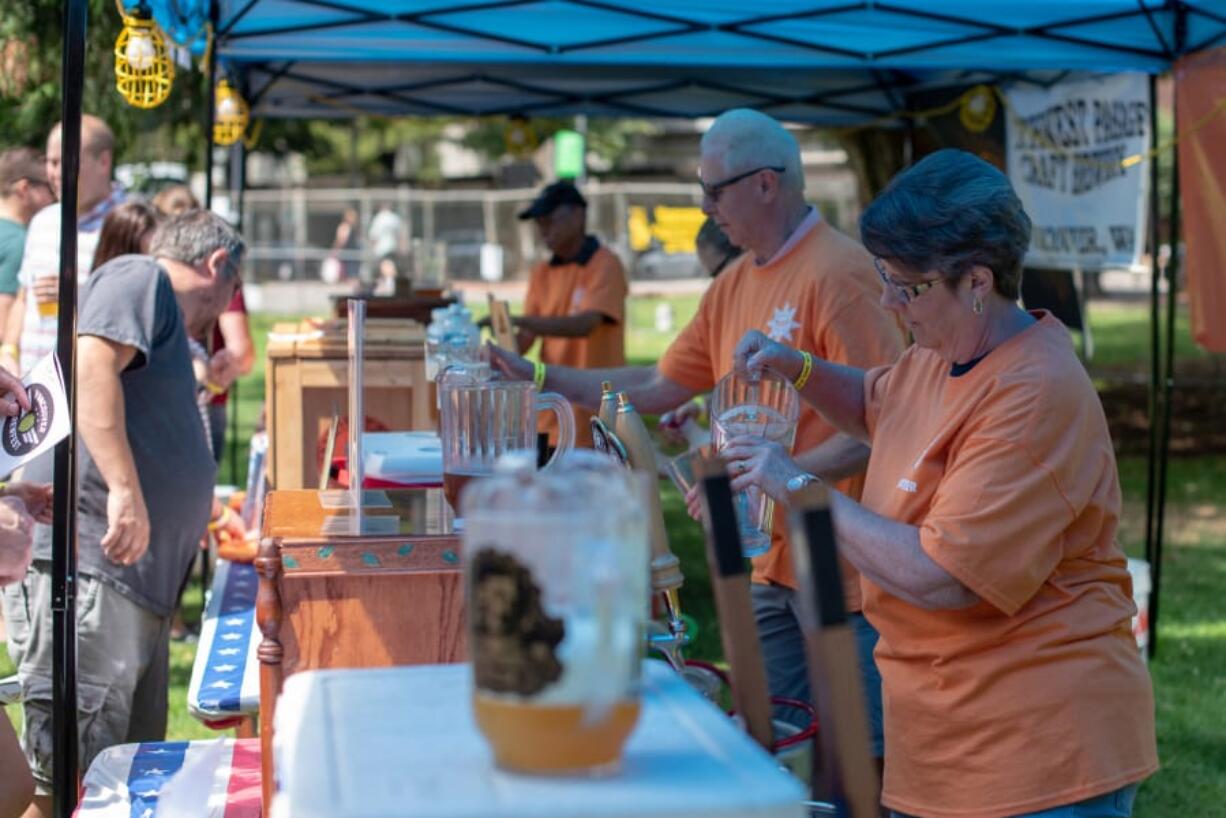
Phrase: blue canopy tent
(842, 63)
(828, 62)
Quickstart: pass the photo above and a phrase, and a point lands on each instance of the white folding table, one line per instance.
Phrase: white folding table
(402, 741)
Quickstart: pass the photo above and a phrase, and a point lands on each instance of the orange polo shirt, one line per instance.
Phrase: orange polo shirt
(820, 293)
(1036, 696)
(594, 281)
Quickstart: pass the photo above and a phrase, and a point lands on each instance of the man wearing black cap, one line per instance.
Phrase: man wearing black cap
(576, 301)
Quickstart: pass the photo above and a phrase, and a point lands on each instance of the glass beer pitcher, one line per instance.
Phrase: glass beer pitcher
(483, 417)
(556, 573)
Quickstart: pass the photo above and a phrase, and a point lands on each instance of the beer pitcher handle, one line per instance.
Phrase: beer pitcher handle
(560, 406)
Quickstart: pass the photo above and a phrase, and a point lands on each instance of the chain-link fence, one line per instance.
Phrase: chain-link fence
(295, 234)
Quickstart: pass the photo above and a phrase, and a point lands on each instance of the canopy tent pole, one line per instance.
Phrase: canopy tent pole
(211, 112)
(238, 187)
(1168, 370)
(64, 750)
(1155, 337)
(1168, 389)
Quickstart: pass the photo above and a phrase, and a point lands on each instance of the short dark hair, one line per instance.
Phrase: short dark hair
(21, 163)
(950, 212)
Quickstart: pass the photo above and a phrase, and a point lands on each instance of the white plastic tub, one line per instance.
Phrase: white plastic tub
(1139, 569)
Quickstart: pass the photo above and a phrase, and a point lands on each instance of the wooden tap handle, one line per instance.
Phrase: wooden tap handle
(730, 582)
(845, 769)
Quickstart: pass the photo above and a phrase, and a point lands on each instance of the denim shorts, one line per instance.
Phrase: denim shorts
(1114, 804)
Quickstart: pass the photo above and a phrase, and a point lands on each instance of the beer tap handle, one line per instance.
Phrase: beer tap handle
(844, 768)
(632, 432)
(730, 582)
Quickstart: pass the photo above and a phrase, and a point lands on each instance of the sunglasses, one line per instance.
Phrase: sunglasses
(906, 293)
(712, 191)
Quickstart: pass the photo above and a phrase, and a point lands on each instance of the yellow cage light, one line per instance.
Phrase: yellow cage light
(144, 70)
(231, 114)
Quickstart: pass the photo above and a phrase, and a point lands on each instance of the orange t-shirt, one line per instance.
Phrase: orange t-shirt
(1036, 696)
(821, 295)
(594, 282)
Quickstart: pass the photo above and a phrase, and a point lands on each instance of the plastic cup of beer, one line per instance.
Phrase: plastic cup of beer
(47, 309)
(556, 583)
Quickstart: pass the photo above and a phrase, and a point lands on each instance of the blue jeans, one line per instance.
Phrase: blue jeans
(1116, 804)
(783, 652)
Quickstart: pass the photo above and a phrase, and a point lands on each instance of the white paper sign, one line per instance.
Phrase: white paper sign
(1065, 146)
(29, 434)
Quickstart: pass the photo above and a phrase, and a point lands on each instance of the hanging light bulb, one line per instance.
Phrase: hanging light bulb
(231, 114)
(226, 107)
(977, 109)
(140, 51)
(144, 71)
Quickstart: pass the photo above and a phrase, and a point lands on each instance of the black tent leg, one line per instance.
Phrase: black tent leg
(210, 113)
(65, 749)
(1155, 342)
(1168, 389)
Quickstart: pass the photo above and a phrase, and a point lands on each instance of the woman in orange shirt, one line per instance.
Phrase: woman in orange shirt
(985, 534)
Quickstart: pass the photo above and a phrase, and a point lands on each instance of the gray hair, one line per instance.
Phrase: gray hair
(747, 139)
(193, 236)
(950, 212)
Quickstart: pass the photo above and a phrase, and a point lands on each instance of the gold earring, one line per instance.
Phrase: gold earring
(977, 306)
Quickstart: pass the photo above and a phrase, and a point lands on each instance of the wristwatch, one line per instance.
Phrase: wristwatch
(801, 480)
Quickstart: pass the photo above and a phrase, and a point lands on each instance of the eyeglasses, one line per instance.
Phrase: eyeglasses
(712, 191)
(906, 293)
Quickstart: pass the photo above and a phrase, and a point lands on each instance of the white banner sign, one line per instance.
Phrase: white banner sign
(1065, 147)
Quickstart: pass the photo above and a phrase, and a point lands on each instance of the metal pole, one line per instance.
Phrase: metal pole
(239, 165)
(1168, 388)
(1155, 344)
(211, 112)
(64, 750)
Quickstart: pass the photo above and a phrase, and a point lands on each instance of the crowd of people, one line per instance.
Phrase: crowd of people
(159, 292)
(972, 479)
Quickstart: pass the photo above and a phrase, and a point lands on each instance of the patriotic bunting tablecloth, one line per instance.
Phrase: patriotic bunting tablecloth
(226, 674)
(213, 779)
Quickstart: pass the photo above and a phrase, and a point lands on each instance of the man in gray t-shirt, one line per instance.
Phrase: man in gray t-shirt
(146, 483)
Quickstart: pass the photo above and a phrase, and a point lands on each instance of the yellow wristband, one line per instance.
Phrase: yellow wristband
(222, 519)
(806, 369)
(538, 375)
(9, 350)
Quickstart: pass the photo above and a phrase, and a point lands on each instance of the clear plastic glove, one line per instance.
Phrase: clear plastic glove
(756, 352)
(755, 461)
(509, 364)
(672, 424)
(16, 540)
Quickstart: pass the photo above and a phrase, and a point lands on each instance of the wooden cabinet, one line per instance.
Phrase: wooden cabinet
(306, 380)
(328, 601)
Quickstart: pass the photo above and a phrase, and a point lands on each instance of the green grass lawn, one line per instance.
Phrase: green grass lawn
(1189, 672)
